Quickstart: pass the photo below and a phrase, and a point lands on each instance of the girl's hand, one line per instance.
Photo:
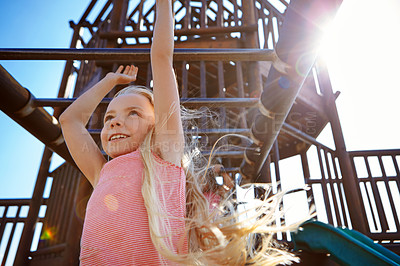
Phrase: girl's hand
(122, 76)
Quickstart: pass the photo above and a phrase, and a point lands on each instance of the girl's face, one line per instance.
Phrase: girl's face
(128, 119)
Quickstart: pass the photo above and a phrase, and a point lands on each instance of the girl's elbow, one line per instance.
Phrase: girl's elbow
(64, 118)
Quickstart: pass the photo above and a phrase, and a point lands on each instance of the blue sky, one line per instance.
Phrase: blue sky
(362, 52)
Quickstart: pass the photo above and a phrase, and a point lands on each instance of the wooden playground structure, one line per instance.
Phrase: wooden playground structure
(251, 62)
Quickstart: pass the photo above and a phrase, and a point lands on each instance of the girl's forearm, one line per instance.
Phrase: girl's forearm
(163, 35)
(82, 108)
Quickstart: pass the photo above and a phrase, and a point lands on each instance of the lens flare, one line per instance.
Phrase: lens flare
(48, 233)
(80, 208)
(111, 202)
(301, 64)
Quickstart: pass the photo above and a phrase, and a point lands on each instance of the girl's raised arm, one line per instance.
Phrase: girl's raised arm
(169, 138)
(73, 120)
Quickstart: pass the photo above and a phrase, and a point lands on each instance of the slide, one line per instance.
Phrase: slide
(346, 247)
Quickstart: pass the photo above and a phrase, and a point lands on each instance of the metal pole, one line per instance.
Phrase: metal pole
(188, 102)
(136, 54)
(17, 103)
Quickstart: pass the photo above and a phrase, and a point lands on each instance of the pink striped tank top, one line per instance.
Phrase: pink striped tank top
(116, 228)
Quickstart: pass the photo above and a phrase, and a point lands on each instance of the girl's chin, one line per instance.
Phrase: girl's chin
(118, 152)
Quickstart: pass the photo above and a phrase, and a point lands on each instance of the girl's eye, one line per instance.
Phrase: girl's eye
(107, 118)
(133, 113)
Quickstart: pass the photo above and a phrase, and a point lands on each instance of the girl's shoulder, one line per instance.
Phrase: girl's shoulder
(133, 161)
(166, 163)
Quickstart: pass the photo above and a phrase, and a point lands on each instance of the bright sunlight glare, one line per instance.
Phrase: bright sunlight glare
(361, 48)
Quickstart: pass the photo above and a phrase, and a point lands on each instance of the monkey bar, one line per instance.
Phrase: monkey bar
(136, 54)
(17, 103)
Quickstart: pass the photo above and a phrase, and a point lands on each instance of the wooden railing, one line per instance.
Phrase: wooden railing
(13, 214)
(56, 218)
(378, 175)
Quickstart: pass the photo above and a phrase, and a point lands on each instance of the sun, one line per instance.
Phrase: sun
(360, 47)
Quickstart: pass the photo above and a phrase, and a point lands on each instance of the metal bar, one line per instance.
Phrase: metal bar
(188, 102)
(17, 103)
(136, 54)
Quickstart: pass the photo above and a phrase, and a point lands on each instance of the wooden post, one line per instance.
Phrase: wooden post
(250, 40)
(21, 258)
(350, 184)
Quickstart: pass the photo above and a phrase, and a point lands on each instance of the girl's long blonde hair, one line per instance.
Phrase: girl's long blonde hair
(216, 237)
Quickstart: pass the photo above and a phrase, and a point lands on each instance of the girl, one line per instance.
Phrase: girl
(145, 208)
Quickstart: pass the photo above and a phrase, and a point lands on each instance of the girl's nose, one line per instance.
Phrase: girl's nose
(115, 122)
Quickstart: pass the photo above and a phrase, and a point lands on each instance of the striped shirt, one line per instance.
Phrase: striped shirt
(116, 228)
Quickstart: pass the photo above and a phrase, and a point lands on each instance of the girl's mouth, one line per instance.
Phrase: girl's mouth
(117, 137)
